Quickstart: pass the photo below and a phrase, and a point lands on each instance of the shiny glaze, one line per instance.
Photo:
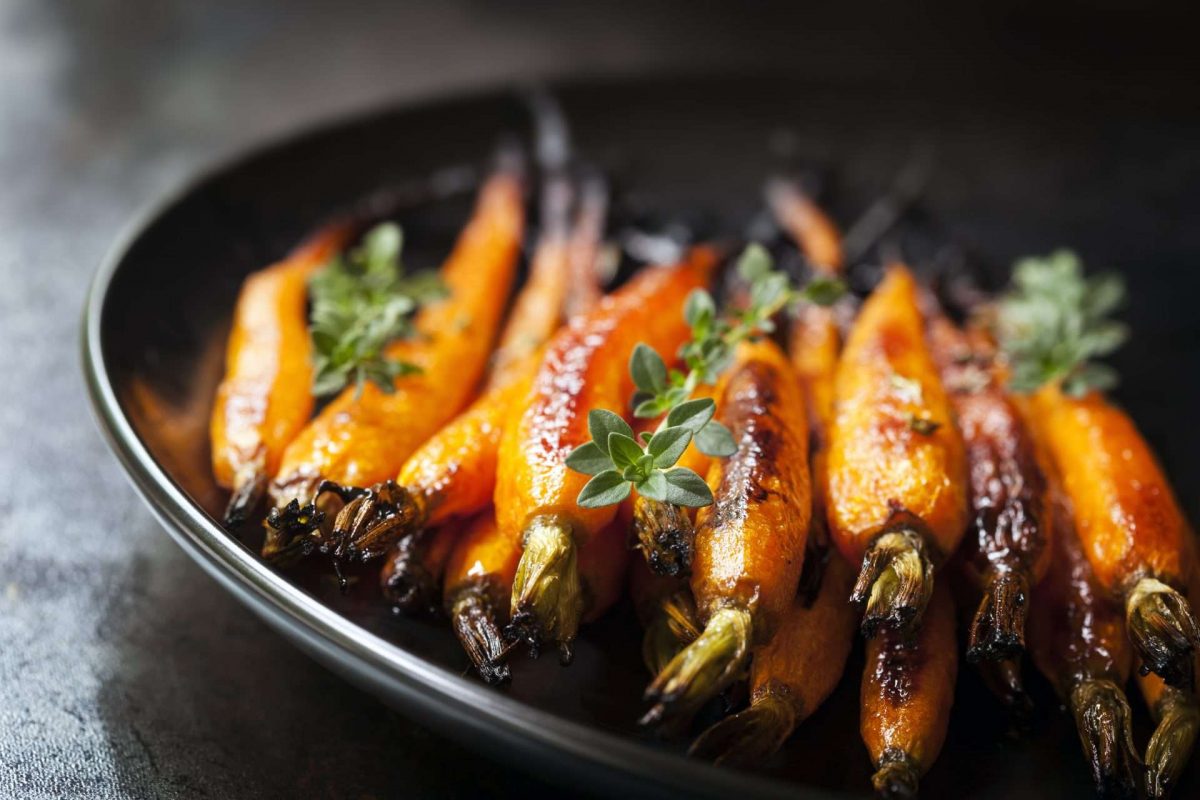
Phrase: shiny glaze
(1076, 632)
(877, 463)
(482, 556)
(266, 398)
(1008, 495)
(1127, 518)
(908, 686)
(809, 651)
(586, 367)
(361, 440)
(749, 547)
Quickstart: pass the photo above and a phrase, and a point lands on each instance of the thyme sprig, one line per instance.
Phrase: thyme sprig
(1054, 321)
(361, 302)
(618, 460)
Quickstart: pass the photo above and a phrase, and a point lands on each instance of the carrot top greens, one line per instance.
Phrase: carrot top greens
(618, 460)
(361, 302)
(1054, 321)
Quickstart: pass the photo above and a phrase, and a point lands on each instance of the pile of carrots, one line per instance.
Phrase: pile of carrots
(884, 476)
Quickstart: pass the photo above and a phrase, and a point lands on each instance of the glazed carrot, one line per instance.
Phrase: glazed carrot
(583, 248)
(585, 367)
(1129, 524)
(1006, 550)
(667, 612)
(811, 228)
(664, 531)
(362, 438)
(896, 493)
(790, 677)
(413, 571)
(750, 542)
(1176, 713)
(1078, 642)
(266, 397)
(603, 562)
(907, 693)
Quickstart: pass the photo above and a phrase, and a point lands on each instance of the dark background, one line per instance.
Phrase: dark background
(124, 672)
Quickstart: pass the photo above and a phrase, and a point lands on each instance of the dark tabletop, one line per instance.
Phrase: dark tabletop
(124, 671)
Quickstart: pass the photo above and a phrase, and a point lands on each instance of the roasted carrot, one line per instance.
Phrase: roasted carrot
(1176, 713)
(664, 531)
(585, 367)
(791, 676)
(1129, 524)
(362, 438)
(603, 562)
(896, 492)
(907, 693)
(412, 574)
(814, 344)
(266, 397)
(750, 542)
(667, 612)
(478, 580)
(1006, 550)
(1078, 642)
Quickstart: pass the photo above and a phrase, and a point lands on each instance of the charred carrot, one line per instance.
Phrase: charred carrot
(412, 574)
(265, 397)
(1078, 642)
(791, 676)
(362, 438)
(1006, 550)
(585, 368)
(907, 693)
(896, 493)
(1129, 524)
(667, 612)
(1176, 713)
(750, 542)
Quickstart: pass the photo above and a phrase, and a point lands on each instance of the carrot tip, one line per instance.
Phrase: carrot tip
(896, 776)
(1102, 717)
(1163, 631)
(1171, 745)
(473, 618)
(292, 532)
(672, 628)
(998, 629)
(406, 581)
(751, 736)
(665, 535)
(246, 497)
(547, 597)
(702, 669)
(895, 583)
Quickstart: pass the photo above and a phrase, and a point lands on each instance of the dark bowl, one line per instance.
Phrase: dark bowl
(1007, 180)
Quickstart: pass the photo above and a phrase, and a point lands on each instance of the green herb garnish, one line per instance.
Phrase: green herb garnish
(1054, 321)
(618, 461)
(361, 302)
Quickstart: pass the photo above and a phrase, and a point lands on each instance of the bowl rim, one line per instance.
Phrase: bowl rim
(477, 715)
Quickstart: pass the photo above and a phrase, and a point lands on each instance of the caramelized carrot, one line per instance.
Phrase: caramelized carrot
(750, 542)
(666, 611)
(896, 494)
(266, 397)
(1176, 713)
(585, 367)
(907, 693)
(791, 676)
(811, 228)
(360, 439)
(413, 570)
(1006, 550)
(664, 531)
(478, 580)
(603, 562)
(1129, 524)
(1078, 642)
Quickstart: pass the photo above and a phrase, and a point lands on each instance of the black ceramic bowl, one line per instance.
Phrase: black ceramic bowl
(1005, 180)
